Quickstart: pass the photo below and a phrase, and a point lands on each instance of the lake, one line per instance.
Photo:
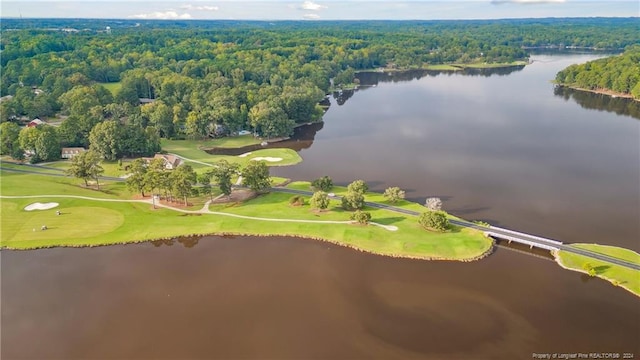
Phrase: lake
(503, 147)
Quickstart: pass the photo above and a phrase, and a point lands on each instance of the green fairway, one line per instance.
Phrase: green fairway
(86, 222)
(74, 221)
(113, 87)
(617, 275)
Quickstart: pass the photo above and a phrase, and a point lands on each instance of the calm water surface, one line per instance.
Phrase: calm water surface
(502, 148)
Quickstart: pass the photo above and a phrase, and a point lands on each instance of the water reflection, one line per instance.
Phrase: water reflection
(588, 100)
(186, 241)
(302, 138)
(342, 96)
(370, 79)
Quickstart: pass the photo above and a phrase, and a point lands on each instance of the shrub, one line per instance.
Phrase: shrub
(320, 200)
(393, 194)
(358, 186)
(297, 200)
(324, 183)
(362, 217)
(433, 204)
(353, 200)
(434, 220)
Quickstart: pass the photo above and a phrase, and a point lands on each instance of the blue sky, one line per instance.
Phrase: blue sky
(318, 9)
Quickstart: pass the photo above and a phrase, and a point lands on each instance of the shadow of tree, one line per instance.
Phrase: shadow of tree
(388, 220)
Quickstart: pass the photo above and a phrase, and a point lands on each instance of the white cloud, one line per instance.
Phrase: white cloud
(527, 1)
(310, 5)
(200, 7)
(161, 15)
(311, 16)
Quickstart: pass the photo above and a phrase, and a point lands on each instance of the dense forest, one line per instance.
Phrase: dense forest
(620, 74)
(118, 86)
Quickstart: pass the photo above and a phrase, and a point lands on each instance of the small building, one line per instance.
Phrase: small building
(70, 152)
(35, 122)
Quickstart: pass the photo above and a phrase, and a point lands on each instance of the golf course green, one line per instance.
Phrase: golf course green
(89, 217)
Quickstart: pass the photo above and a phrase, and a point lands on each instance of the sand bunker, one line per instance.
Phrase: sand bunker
(41, 206)
(245, 154)
(267, 158)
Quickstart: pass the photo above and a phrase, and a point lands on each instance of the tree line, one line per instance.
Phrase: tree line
(620, 73)
(209, 79)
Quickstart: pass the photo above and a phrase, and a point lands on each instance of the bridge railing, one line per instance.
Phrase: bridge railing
(556, 242)
(541, 244)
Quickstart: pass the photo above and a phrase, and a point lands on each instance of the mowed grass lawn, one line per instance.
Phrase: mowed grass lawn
(192, 149)
(88, 222)
(111, 168)
(618, 275)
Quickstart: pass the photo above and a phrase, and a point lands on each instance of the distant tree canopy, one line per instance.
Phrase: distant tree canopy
(202, 79)
(619, 73)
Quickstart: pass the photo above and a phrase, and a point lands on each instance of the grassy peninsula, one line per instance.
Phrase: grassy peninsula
(123, 219)
(626, 278)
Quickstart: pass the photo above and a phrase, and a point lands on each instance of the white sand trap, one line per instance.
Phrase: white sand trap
(267, 158)
(41, 206)
(245, 154)
(387, 227)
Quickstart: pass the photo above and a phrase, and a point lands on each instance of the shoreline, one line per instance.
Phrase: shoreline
(607, 92)
(483, 246)
(448, 67)
(231, 233)
(558, 261)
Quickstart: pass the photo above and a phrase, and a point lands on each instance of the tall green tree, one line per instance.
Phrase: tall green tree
(106, 140)
(255, 175)
(136, 180)
(40, 142)
(204, 179)
(47, 145)
(182, 180)
(270, 121)
(223, 172)
(154, 176)
(86, 166)
(27, 139)
(9, 133)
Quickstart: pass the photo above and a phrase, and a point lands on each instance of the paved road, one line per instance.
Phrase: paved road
(498, 232)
